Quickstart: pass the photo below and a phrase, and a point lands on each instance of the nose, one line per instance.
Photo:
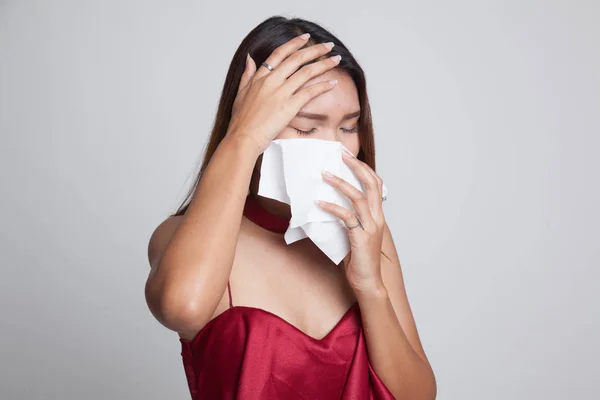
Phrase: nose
(332, 134)
(349, 140)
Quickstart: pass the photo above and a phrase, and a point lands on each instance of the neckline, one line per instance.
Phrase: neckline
(351, 311)
(263, 218)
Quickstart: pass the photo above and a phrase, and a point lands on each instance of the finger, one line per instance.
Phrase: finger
(372, 172)
(249, 71)
(370, 183)
(308, 72)
(373, 185)
(281, 53)
(347, 216)
(307, 93)
(358, 199)
(291, 65)
(377, 177)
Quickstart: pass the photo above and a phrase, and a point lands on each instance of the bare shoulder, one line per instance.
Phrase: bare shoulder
(161, 237)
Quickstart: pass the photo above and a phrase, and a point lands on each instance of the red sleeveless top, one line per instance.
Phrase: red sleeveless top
(247, 353)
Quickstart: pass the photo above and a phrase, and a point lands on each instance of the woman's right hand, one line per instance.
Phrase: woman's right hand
(268, 100)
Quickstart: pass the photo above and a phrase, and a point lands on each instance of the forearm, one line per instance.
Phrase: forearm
(196, 265)
(391, 355)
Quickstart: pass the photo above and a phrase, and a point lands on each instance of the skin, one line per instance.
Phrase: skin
(374, 281)
(334, 104)
(320, 292)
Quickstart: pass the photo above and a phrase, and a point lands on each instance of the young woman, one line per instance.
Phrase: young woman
(260, 319)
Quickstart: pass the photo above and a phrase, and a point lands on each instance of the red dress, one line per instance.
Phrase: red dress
(247, 353)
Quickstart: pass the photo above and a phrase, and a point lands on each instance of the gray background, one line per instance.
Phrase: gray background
(487, 121)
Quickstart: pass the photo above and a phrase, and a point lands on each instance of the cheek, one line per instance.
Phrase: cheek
(352, 143)
(286, 134)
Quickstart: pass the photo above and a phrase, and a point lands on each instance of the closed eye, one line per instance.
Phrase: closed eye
(300, 132)
(304, 132)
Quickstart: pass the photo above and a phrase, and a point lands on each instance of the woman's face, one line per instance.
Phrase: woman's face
(332, 115)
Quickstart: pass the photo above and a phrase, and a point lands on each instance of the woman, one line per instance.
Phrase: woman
(259, 319)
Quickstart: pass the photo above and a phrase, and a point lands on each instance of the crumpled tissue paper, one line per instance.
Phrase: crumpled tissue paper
(291, 172)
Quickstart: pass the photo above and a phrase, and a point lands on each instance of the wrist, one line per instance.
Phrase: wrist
(244, 142)
(374, 290)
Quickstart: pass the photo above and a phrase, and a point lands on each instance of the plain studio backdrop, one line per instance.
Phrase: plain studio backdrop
(486, 120)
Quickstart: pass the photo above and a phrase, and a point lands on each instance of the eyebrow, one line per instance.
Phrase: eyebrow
(321, 117)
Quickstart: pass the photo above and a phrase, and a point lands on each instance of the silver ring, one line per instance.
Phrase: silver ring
(358, 224)
(267, 66)
(384, 198)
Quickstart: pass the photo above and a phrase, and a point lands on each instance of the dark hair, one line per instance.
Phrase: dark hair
(260, 43)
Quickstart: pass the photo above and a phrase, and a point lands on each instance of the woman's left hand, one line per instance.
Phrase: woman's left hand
(362, 265)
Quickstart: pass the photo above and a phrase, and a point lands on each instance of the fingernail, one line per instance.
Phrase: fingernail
(348, 152)
(305, 36)
(327, 173)
(329, 45)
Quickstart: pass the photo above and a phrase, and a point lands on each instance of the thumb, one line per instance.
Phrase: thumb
(248, 73)
(346, 260)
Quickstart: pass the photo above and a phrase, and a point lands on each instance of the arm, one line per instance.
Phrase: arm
(192, 258)
(188, 277)
(395, 349)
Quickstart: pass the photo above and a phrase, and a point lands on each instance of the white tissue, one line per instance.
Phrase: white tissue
(291, 172)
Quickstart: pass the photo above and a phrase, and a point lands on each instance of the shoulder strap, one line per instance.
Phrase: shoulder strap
(229, 291)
